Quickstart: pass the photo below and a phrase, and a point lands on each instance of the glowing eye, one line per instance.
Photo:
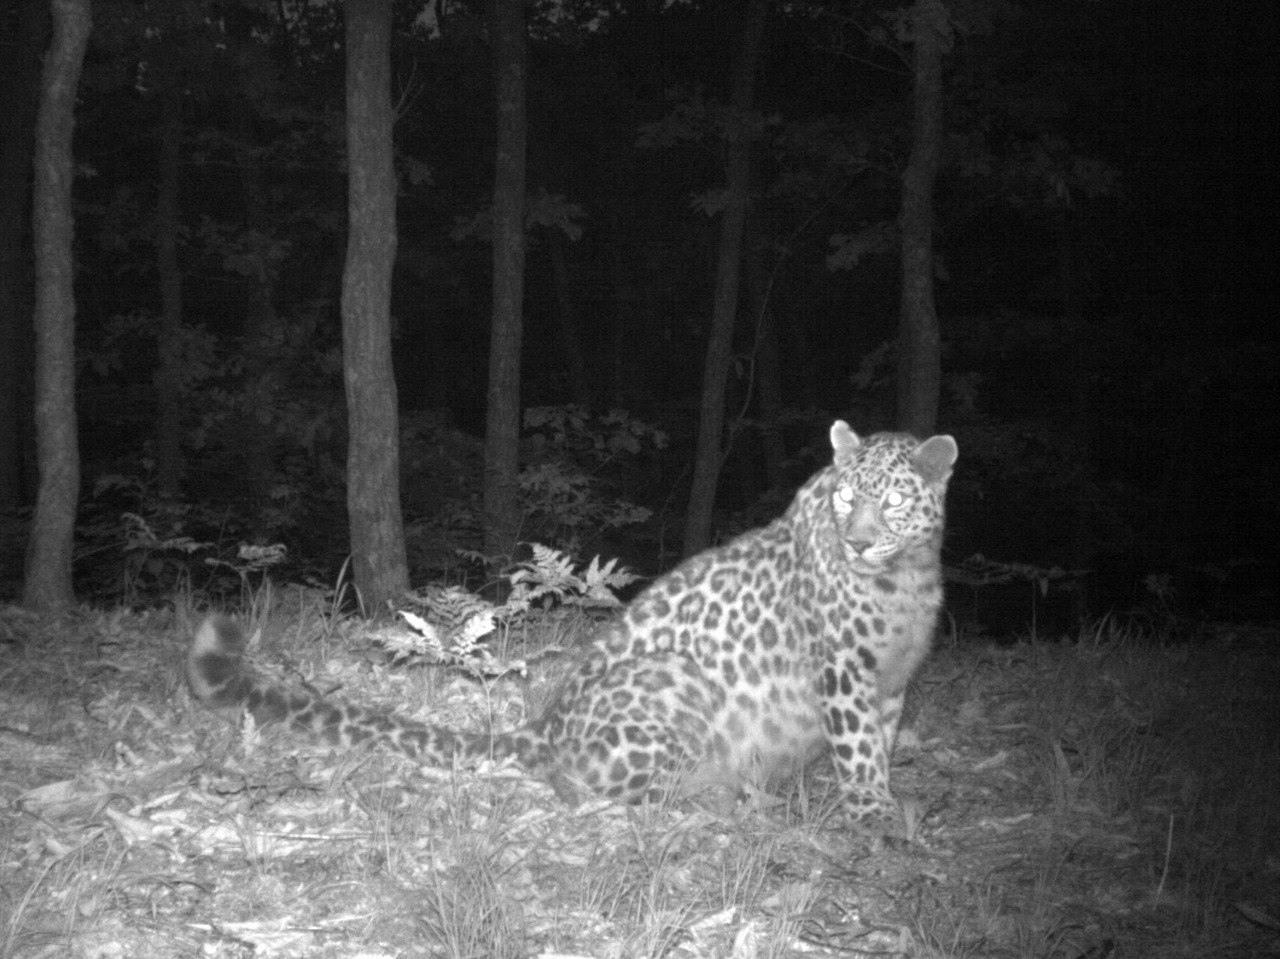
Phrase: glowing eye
(843, 501)
(893, 499)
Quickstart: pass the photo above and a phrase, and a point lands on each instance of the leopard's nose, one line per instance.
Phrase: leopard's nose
(860, 545)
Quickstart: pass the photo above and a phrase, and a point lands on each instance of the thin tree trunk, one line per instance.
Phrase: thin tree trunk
(47, 583)
(502, 425)
(710, 453)
(919, 341)
(373, 449)
(168, 376)
(19, 99)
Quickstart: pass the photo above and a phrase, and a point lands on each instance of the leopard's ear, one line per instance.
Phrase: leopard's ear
(935, 457)
(843, 440)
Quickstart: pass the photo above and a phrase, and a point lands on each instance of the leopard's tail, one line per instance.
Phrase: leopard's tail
(218, 679)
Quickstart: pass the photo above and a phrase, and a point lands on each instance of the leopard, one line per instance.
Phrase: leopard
(732, 671)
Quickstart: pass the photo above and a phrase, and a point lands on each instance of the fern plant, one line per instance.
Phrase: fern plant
(455, 626)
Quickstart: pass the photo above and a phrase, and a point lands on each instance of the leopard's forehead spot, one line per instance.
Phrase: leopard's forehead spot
(881, 463)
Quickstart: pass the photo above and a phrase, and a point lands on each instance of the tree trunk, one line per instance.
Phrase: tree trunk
(710, 452)
(47, 583)
(373, 449)
(502, 425)
(919, 342)
(19, 98)
(168, 377)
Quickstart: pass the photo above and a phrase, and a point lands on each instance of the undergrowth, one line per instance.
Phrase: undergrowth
(1103, 791)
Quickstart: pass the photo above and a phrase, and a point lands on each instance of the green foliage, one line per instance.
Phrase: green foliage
(130, 333)
(139, 548)
(565, 485)
(134, 546)
(1045, 172)
(692, 118)
(154, 563)
(559, 496)
(1009, 141)
(241, 251)
(252, 561)
(601, 438)
(261, 412)
(541, 209)
(848, 249)
(455, 626)
(551, 577)
(574, 463)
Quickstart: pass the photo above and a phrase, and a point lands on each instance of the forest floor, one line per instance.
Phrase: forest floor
(1089, 798)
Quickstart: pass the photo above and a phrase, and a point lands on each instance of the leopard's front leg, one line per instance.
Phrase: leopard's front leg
(860, 732)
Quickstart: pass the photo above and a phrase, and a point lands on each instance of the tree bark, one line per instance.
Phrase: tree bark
(502, 424)
(919, 340)
(168, 377)
(378, 555)
(19, 99)
(710, 449)
(47, 583)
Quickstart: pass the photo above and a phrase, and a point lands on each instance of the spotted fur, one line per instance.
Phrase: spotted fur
(737, 666)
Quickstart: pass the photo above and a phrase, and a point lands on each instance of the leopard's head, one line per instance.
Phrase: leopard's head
(887, 500)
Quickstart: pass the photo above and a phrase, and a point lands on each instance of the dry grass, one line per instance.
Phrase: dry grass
(1103, 794)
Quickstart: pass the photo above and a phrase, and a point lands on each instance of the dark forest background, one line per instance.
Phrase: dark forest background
(1104, 223)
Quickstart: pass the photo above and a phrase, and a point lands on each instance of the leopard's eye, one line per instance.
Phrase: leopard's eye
(893, 499)
(842, 501)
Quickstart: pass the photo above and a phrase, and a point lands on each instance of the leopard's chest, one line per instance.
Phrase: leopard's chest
(884, 622)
